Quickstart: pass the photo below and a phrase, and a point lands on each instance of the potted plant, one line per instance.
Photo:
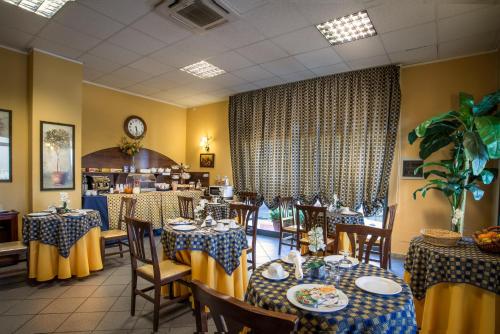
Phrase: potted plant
(474, 133)
(57, 140)
(274, 215)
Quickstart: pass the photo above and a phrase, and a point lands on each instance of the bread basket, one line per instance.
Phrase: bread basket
(489, 247)
(440, 237)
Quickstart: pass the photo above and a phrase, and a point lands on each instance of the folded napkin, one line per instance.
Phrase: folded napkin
(299, 274)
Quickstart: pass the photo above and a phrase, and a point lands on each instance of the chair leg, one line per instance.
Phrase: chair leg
(254, 265)
(133, 295)
(120, 248)
(156, 315)
(281, 241)
(103, 245)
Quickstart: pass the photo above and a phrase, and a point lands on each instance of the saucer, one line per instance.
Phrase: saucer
(265, 273)
(225, 229)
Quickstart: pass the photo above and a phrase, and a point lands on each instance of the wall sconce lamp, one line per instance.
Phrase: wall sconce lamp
(205, 143)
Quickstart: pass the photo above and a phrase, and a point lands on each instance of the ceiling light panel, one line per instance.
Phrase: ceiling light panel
(203, 70)
(348, 28)
(45, 8)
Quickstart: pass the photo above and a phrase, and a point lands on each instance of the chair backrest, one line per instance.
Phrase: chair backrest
(138, 231)
(248, 197)
(313, 216)
(186, 207)
(363, 238)
(390, 216)
(231, 314)
(127, 209)
(245, 214)
(285, 205)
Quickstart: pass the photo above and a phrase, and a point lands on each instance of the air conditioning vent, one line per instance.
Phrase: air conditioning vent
(196, 15)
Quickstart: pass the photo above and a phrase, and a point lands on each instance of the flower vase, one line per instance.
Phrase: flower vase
(132, 166)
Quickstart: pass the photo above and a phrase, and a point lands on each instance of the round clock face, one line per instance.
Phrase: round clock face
(135, 127)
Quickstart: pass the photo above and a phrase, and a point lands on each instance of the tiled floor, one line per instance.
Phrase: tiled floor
(99, 303)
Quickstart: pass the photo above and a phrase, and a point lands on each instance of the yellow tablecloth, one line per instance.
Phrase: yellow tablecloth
(205, 269)
(451, 308)
(45, 263)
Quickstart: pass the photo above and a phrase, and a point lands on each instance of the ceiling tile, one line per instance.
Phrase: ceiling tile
(131, 74)
(167, 97)
(224, 93)
(114, 81)
(20, 19)
(363, 48)
(268, 82)
(276, 18)
(410, 38)
(468, 45)
(160, 28)
(284, 66)
(323, 57)
(14, 38)
(160, 82)
(452, 9)
(202, 46)
(99, 64)
(87, 21)
(202, 86)
(230, 61)
(142, 90)
(242, 6)
(246, 87)
(66, 36)
(302, 40)
(136, 41)
(125, 11)
(114, 53)
(476, 22)
(262, 52)
(181, 77)
(420, 55)
(331, 69)
(323, 11)
(227, 80)
(90, 74)
(369, 62)
(236, 34)
(54, 47)
(151, 66)
(253, 73)
(174, 57)
(298, 76)
(396, 15)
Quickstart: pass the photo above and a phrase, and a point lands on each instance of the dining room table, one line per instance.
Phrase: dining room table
(337, 217)
(217, 258)
(456, 289)
(365, 312)
(62, 245)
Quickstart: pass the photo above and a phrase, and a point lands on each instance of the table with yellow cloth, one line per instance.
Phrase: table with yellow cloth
(63, 246)
(217, 259)
(456, 289)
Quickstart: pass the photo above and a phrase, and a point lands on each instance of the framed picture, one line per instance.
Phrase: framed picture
(207, 160)
(5, 145)
(408, 169)
(57, 156)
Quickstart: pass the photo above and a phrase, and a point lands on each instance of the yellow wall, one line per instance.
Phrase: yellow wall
(105, 110)
(428, 90)
(211, 120)
(13, 96)
(55, 94)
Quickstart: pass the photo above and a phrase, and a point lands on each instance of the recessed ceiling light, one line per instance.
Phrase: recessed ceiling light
(45, 8)
(203, 70)
(348, 28)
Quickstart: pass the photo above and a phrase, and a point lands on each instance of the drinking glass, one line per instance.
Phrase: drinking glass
(333, 272)
(345, 264)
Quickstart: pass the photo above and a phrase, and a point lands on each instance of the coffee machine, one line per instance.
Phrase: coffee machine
(101, 183)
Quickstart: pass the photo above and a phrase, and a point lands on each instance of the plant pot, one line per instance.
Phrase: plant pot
(319, 272)
(276, 225)
(58, 178)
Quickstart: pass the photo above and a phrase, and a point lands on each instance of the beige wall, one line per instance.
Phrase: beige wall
(105, 110)
(211, 120)
(428, 90)
(55, 94)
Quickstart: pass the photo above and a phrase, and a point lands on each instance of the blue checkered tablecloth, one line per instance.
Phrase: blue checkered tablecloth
(59, 231)
(225, 247)
(365, 313)
(334, 218)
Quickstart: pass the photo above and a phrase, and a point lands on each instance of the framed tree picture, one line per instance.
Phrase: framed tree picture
(57, 156)
(207, 160)
(5, 145)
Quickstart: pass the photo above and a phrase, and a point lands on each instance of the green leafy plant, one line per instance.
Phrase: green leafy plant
(274, 214)
(474, 133)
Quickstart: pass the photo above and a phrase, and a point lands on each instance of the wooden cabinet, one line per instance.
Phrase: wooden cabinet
(8, 232)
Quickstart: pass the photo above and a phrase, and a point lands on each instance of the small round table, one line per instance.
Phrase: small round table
(366, 312)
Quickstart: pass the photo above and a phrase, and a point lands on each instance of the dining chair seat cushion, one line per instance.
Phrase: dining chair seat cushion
(291, 228)
(12, 246)
(168, 268)
(306, 241)
(111, 234)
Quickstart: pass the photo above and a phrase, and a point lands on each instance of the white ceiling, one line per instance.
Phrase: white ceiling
(123, 44)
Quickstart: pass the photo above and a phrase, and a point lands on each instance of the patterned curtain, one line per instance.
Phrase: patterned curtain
(315, 138)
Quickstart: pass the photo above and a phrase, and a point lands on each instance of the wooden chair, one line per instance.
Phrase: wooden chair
(118, 236)
(288, 228)
(313, 216)
(14, 248)
(246, 214)
(159, 273)
(186, 207)
(231, 315)
(362, 239)
(388, 224)
(248, 197)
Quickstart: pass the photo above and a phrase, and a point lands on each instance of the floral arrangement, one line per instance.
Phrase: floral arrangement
(130, 147)
(200, 208)
(64, 200)
(316, 241)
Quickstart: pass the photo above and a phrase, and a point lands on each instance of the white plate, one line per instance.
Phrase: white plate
(225, 229)
(180, 222)
(184, 228)
(337, 258)
(378, 285)
(73, 214)
(39, 214)
(86, 210)
(290, 294)
(349, 213)
(265, 273)
(286, 260)
(227, 221)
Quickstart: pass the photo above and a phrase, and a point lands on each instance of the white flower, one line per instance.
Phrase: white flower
(316, 242)
(64, 198)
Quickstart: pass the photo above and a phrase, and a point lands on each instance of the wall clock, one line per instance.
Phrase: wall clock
(135, 127)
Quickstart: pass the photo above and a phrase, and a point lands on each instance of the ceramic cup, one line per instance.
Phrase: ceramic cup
(219, 226)
(233, 224)
(275, 270)
(293, 254)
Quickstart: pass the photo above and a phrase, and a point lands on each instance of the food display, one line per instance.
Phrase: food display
(488, 239)
(322, 296)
